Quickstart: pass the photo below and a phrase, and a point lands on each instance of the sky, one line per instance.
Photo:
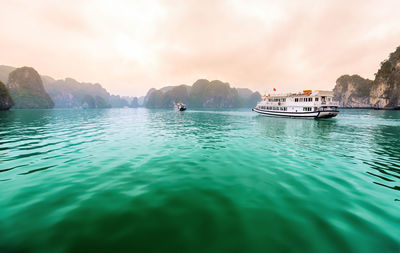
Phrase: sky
(130, 46)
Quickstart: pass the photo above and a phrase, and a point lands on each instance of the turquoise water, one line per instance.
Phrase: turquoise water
(198, 181)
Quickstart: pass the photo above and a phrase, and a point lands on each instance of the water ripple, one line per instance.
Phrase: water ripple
(202, 180)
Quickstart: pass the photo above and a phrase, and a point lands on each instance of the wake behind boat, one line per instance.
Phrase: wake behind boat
(308, 104)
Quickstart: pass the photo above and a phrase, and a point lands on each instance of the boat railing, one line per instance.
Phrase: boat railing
(329, 103)
(305, 104)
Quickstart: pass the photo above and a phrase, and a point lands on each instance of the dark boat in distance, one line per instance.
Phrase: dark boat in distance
(180, 106)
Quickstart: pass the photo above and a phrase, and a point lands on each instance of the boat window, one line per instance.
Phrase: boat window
(316, 99)
(296, 100)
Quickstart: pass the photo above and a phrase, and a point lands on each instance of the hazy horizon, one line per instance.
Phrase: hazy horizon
(129, 47)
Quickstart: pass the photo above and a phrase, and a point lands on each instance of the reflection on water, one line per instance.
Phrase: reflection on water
(308, 128)
(386, 151)
(199, 180)
(372, 137)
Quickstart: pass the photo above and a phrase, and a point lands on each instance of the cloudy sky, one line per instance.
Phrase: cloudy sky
(130, 46)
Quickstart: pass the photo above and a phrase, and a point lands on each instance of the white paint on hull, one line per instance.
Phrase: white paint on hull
(316, 114)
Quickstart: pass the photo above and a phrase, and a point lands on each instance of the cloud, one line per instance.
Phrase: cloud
(131, 46)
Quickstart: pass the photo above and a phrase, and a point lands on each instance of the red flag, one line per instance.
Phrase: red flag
(274, 89)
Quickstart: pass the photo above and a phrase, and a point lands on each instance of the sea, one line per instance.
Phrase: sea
(202, 180)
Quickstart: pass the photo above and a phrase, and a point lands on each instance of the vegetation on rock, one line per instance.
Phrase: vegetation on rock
(383, 92)
(26, 89)
(352, 91)
(202, 94)
(6, 101)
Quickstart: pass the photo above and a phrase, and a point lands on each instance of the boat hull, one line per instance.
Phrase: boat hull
(310, 115)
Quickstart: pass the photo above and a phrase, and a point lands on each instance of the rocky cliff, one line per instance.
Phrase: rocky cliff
(385, 91)
(381, 93)
(202, 94)
(6, 101)
(353, 91)
(26, 89)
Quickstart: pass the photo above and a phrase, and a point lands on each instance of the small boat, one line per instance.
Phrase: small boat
(306, 104)
(180, 106)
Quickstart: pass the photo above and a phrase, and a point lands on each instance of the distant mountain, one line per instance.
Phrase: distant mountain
(27, 91)
(4, 72)
(248, 98)
(69, 93)
(202, 94)
(118, 102)
(134, 102)
(381, 93)
(6, 101)
(244, 92)
(141, 100)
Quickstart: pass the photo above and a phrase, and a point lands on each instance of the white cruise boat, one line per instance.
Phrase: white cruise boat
(308, 104)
